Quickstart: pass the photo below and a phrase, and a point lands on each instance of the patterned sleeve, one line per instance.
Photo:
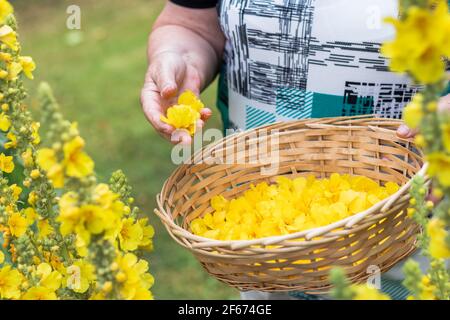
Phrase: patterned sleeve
(196, 4)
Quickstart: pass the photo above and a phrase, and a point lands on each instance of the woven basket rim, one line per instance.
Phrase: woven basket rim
(307, 235)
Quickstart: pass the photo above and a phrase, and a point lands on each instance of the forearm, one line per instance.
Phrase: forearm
(194, 50)
(193, 34)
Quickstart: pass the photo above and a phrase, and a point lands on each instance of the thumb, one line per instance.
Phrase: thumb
(165, 75)
(405, 132)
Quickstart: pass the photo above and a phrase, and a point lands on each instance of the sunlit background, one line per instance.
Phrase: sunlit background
(97, 73)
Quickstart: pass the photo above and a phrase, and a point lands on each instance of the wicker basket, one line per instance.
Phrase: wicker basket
(381, 236)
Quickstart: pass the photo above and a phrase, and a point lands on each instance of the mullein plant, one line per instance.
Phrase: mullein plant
(421, 49)
(63, 235)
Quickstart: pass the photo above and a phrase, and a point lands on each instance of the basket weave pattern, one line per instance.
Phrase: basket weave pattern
(382, 235)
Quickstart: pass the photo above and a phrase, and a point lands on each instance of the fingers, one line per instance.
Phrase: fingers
(152, 105)
(444, 103)
(205, 114)
(181, 136)
(405, 132)
(165, 78)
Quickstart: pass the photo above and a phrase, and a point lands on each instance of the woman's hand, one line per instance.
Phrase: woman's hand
(404, 132)
(183, 54)
(168, 75)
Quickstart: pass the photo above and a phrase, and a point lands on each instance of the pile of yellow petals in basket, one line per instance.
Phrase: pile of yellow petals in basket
(185, 114)
(289, 205)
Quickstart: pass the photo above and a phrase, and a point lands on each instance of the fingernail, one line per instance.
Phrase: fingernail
(403, 131)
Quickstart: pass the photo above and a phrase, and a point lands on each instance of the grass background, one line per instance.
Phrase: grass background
(97, 74)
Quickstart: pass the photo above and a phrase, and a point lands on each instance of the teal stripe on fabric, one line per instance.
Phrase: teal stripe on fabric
(255, 117)
(294, 103)
(326, 105)
(447, 91)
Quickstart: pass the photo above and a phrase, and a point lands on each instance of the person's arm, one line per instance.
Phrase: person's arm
(184, 51)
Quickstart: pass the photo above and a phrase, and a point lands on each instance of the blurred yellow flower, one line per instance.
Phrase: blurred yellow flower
(39, 293)
(365, 292)
(10, 281)
(418, 48)
(28, 66)
(12, 143)
(14, 69)
(5, 10)
(8, 37)
(412, 113)
(5, 123)
(439, 167)
(80, 276)
(438, 246)
(17, 224)
(77, 163)
(6, 163)
(44, 228)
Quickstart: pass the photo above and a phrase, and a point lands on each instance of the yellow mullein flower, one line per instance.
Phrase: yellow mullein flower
(188, 98)
(418, 48)
(30, 215)
(6, 163)
(81, 276)
(5, 10)
(44, 228)
(12, 143)
(6, 57)
(17, 224)
(28, 66)
(130, 235)
(39, 293)
(32, 197)
(182, 117)
(16, 191)
(35, 132)
(69, 215)
(48, 278)
(8, 36)
(185, 114)
(46, 158)
(2, 257)
(14, 69)
(438, 246)
(10, 281)
(412, 113)
(445, 129)
(27, 158)
(364, 292)
(134, 279)
(77, 163)
(5, 123)
(148, 233)
(439, 167)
